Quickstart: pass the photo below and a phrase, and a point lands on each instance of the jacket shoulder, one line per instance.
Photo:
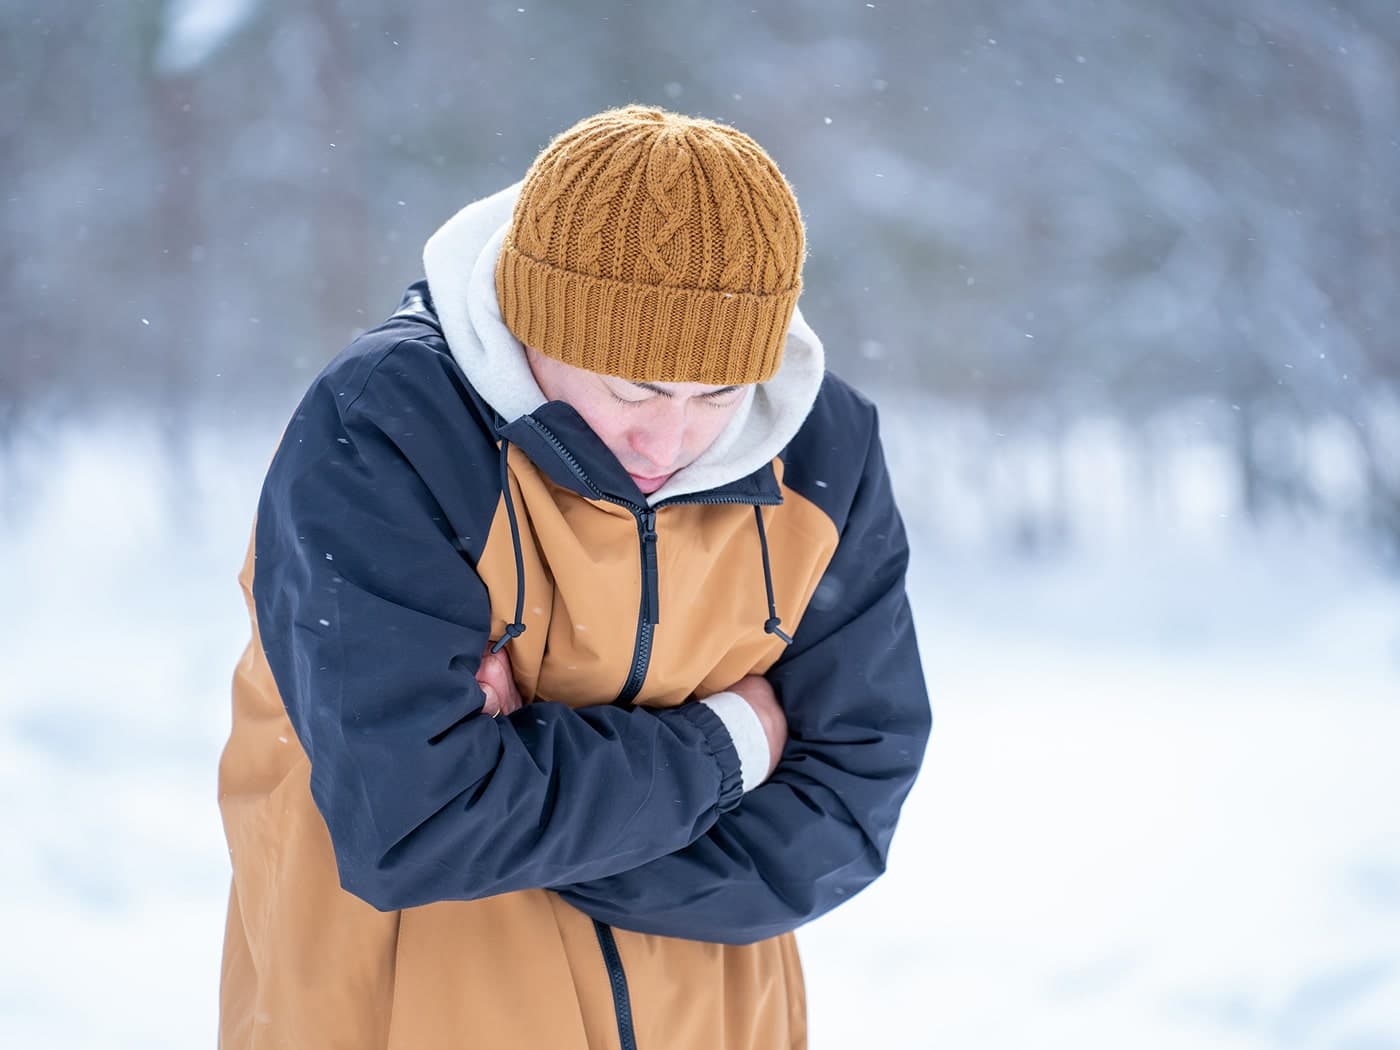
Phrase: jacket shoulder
(398, 357)
(827, 459)
(397, 388)
(394, 376)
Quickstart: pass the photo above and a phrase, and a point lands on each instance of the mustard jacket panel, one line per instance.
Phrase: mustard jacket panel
(586, 872)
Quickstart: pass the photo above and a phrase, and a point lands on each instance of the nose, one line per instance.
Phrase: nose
(659, 444)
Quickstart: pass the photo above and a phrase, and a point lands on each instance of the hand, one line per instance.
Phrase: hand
(497, 681)
(760, 696)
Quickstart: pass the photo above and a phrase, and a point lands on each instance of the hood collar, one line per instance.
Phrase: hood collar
(460, 263)
(570, 454)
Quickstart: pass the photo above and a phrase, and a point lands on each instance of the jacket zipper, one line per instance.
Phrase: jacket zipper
(648, 617)
(617, 977)
(646, 534)
(650, 614)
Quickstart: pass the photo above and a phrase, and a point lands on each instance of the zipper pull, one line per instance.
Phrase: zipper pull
(650, 573)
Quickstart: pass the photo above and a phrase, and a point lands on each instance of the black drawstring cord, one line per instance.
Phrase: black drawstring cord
(774, 625)
(516, 629)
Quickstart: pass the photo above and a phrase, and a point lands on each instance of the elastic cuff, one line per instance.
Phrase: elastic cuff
(746, 731)
(720, 745)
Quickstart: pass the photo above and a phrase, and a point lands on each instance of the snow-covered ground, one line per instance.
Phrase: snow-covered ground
(1161, 806)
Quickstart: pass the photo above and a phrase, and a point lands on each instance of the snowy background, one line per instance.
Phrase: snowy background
(1159, 807)
(1125, 281)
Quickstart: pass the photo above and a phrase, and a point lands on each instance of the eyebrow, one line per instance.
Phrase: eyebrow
(653, 388)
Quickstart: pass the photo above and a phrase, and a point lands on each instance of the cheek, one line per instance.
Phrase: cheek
(623, 432)
(613, 434)
(707, 427)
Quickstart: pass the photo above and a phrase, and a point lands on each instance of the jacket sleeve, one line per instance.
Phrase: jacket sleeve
(374, 621)
(818, 830)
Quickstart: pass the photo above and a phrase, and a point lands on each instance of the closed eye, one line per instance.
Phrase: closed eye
(717, 398)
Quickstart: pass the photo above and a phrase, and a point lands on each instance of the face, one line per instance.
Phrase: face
(654, 429)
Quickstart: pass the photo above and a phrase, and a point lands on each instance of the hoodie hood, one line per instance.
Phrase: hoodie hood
(459, 261)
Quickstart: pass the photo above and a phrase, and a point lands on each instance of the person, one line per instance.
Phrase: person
(582, 670)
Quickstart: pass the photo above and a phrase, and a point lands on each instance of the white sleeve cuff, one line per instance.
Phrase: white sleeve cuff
(747, 733)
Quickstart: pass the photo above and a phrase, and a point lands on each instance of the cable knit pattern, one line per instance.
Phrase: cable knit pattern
(656, 247)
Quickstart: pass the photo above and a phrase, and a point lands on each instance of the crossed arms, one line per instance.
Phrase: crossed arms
(636, 816)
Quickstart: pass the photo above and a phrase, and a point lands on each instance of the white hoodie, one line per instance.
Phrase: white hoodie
(460, 263)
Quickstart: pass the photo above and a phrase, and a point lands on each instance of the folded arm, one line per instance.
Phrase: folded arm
(374, 622)
(818, 831)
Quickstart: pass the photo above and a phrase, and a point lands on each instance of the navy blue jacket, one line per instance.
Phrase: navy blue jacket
(373, 618)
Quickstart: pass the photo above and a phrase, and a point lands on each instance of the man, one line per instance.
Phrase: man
(582, 670)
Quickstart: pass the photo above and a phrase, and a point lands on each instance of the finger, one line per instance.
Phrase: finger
(510, 695)
(495, 670)
(492, 704)
(489, 669)
(504, 686)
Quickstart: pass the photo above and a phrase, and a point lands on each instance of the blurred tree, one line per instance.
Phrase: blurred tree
(1047, 210)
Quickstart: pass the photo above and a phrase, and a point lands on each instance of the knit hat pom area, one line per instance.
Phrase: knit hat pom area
(655, 247)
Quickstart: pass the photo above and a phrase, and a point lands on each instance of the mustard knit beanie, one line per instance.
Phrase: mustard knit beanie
(655, 247)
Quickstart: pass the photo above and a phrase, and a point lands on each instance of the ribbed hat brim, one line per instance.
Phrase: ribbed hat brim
(640, 332)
